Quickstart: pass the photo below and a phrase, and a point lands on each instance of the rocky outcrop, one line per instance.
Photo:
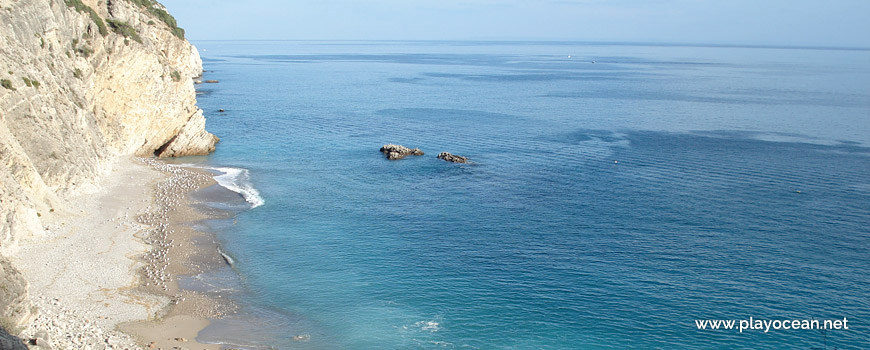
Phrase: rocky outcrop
(394, 152)
(191, 140)
(14, 307)
(84, 82)
(452, 158)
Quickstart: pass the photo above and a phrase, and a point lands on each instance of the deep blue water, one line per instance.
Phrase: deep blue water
(608, 205)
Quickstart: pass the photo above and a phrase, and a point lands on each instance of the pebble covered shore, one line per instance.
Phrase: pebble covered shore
(58, 326)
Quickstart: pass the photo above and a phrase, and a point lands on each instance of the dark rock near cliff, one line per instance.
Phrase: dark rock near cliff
(10, 342)
(452, 158)
(394, 152)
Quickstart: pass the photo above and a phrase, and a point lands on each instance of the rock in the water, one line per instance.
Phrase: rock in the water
(394, 152)
(452, 158)
(211, 81)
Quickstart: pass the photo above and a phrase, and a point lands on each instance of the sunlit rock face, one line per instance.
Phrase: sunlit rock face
(84, 82)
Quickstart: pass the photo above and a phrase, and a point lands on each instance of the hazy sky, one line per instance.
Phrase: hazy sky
(785, 22)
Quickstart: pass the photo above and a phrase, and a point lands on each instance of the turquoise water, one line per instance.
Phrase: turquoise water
(608, 205)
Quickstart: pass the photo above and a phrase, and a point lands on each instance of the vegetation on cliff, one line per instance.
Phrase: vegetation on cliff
(6, 83)
(81, 7)
(125, 29)
(30, 83)
(162, 15)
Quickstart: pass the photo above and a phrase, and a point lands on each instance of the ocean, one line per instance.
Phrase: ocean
(616, 193)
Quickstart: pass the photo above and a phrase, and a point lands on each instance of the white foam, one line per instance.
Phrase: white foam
(430, 326)
(238, 181)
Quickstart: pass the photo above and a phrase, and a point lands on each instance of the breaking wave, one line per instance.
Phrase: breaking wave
(238, 181)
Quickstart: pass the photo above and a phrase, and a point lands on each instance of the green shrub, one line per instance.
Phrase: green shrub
(85, 51)
(77, 73)
(169, 20)
(179, 32)
(175, 76)
(101, 27)
(41, 42)
(143, 3)
(30, 83)
(7, 84)
(81, 7)
(162, 15)
(125, 29)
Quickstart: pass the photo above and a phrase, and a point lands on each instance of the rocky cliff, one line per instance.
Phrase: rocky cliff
(84, 82)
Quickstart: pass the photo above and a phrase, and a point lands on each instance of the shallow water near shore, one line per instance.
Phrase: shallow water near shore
(608, 205)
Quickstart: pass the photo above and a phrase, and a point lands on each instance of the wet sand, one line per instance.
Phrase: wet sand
(179, 250)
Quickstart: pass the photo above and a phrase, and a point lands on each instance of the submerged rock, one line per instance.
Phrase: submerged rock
(452, 158)
(394, 152)
(212, 81)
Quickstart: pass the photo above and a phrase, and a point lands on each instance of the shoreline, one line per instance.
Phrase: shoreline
(178, 250)
(105, 273)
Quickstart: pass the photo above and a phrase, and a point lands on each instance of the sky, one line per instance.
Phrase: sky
(754, 22)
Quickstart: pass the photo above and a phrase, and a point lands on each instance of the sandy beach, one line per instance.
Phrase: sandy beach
(104, 273)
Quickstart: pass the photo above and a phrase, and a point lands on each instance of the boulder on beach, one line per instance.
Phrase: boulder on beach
(394, 152)
(452, 158)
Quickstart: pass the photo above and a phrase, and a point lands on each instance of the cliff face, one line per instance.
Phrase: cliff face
(84, 82)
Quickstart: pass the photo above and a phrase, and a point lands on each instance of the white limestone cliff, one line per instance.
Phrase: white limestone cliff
(83, 83)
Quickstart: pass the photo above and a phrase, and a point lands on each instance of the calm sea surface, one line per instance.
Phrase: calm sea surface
(616, 194)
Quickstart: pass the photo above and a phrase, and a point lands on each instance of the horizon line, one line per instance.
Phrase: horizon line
(584, 42)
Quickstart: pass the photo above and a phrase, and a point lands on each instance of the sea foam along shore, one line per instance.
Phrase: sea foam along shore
(92, 272)
(238, 180)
